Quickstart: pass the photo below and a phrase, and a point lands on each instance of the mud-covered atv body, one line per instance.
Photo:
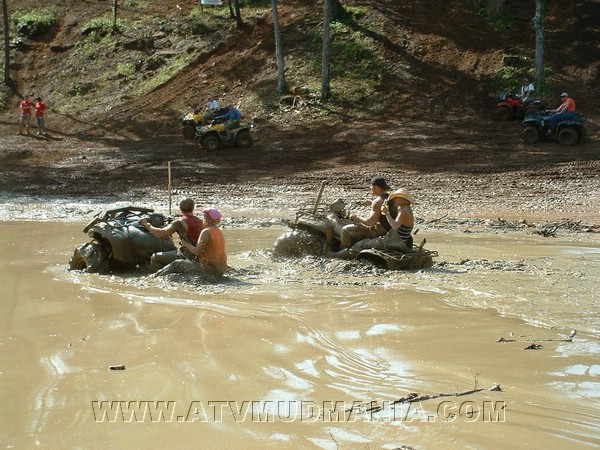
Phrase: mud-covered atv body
(214, 136)
(568, 132)
(119, 241)
(511, 106)
(190, 121)
(308, 237)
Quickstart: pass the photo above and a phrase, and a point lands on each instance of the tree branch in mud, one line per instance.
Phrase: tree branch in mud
(437, 219)
(535, 346)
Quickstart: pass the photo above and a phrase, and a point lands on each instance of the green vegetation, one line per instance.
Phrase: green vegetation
(165, 73)
(35, 22)
(499, 22)
(515, 69)
(102, 26)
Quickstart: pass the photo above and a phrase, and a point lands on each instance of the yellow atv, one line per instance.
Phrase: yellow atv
(190, 121)
(214, 136)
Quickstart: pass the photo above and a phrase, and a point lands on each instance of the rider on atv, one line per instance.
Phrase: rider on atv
(188, 227)
(231, 119)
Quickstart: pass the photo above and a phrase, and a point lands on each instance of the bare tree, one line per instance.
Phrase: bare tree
(325, 90)
(278, 49)
(7, 80)
(538, 22)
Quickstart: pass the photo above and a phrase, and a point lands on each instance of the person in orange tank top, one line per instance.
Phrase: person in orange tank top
(210, 248)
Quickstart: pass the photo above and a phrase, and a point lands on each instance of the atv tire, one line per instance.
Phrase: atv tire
(243, 139)
(531, 135)
(188, 131)
(568, 136)
(91, 257)
(211, 143)
(299, 243)
(503, 113)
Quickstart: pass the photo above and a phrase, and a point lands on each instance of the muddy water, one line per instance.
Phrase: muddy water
(303, 354)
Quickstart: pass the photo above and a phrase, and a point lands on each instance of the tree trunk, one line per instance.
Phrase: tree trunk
(336, 8)
(238, 14)
(325, 90)
(278, 50)
(115, 15)
(7, 79)
(538, 21)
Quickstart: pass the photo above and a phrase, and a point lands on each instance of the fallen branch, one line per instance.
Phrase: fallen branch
(437, 219)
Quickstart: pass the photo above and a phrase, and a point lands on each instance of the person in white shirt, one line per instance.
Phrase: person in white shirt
(211, 107)
(527, 91)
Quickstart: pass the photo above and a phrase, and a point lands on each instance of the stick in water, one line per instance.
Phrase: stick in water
(169, 187)
(323, 183)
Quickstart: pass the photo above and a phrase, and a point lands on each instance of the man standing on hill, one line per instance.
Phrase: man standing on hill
(26, 106)
(40, 108)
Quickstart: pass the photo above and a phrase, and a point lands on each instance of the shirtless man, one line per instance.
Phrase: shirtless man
(188, 227)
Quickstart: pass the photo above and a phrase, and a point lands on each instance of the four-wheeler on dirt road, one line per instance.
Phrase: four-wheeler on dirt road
(568, 132)
(308, 236)
(214, 136)
(511, 106)
(119, 242)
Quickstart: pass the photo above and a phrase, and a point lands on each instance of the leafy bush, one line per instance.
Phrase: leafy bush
(35, 22)
(102, 26)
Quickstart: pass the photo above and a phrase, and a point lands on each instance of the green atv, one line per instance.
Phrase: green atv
(568, 132)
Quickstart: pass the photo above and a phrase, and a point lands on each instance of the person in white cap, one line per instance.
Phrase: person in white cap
(565, 111)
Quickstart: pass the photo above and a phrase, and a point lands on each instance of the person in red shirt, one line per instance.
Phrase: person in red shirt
(26, 106)
(40, 107)
(188, 227)
(565, 111)
(211, 257)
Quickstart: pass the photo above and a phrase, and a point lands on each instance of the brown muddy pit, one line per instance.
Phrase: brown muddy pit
(303, 353)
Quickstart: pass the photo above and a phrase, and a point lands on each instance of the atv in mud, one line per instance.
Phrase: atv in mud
(214, 136)
(193, 120)
(119, 242)
(568, 132)
(308, 237)
(511, 106)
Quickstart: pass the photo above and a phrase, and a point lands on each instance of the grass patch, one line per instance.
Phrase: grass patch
(35, 22)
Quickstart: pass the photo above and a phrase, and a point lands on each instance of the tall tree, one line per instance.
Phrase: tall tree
(114, 26)
(538, 21)
(238, 14)
(278, 49)
(325, 89)
(7, 79)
